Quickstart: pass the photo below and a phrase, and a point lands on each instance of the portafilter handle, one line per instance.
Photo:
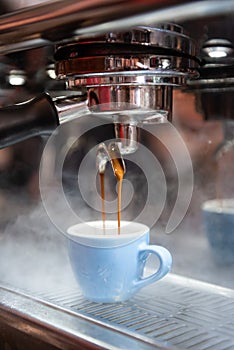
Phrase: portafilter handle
(38, 116)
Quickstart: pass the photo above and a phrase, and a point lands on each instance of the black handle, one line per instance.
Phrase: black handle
(24, 120)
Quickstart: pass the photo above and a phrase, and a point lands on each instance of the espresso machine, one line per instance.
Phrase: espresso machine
(126, 67)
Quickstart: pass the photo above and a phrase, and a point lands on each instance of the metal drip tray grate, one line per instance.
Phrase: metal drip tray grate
(175, 312)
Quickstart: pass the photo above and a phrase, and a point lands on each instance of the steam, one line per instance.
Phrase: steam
(33, 254)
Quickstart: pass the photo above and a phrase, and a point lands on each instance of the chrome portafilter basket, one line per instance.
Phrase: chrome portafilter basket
(126, 77)
(129, 76)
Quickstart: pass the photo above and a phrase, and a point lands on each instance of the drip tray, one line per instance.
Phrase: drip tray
(175, 313)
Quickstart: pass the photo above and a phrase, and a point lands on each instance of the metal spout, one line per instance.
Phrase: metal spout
(110, 154)
(116, 159)
(102, 158)
(128, 136)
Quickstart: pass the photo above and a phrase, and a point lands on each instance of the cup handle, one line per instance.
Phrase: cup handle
(165, 261)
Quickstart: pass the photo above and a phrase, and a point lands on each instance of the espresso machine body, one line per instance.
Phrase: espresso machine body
(157, 77)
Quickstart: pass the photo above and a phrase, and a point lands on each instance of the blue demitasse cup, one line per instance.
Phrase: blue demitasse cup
(218, 215)
(108, 266)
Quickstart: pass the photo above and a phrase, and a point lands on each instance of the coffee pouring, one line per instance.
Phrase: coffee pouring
(113, 155)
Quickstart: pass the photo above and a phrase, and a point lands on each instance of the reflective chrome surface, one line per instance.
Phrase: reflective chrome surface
(185, 314)
(36, 25)
(138, 66)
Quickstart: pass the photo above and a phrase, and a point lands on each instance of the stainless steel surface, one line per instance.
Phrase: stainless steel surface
(70, 106)
(138, 66)
(156, 48)
(176, 313)
(35, 25)
(128, 135)
(146, 91)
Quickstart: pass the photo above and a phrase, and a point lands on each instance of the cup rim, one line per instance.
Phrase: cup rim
(109, 239)
(220, 206)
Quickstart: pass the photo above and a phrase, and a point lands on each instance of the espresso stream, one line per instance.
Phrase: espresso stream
(119, 171)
